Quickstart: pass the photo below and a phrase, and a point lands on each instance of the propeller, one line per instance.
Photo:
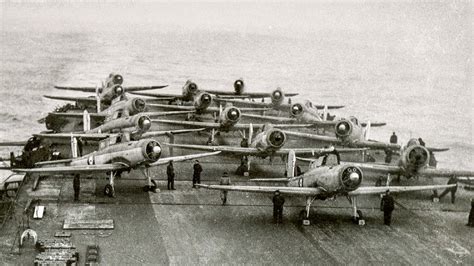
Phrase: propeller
(233, 114)
(351, 178)
(139, 105)
(277, 96)
(276, 138)
(418, 156)
(144, 123)
(153, 150)
(118, 90)
(296, 109)
(117, 79)
(343, 129)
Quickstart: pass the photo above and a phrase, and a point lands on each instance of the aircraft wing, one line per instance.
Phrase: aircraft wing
(92, 89)
(395, 189)
(150, 134)
(437, 172)
(300, 151)
(173, 106)
(143, 88)
(157, 95)
(226, 149)
(270, 118)
(434, 149)
(157, 114)
(380, 168)
(247, 94)
(70, 88)
(332, 140)
(89, 100)
(162, 161)
(282, 107)
(12, 143)
(302, 191)
(189, 123)
(74, 169)
(373, 124)
(84, 136)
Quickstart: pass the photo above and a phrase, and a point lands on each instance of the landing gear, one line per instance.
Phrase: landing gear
(151, 184)
(304, 214)
(357, 217)
(109, 189)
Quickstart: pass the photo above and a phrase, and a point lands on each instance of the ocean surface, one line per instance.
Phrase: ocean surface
(408, 64)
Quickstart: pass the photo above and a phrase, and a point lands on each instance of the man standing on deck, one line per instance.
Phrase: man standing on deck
(470, 221)
(452, 180)
(225, 180)
(278, 202)
(197, 173)
(387, 205)
(170, 174)
(76, 183)
(393, 138)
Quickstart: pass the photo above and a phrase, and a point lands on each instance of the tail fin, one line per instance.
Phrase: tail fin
(86, 118)
(367, 131)
(325, 113)
(250, 133)
(291, 164)
(73, 146)
(97, 98)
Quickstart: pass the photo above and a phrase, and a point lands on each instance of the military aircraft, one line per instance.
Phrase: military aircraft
(277, 103)
(110, 89)
(228, 121)
(190, 90)
(323, 182)
(114, 160)
(47, 146)
(413, 162)
(268, 143)
(349, 133)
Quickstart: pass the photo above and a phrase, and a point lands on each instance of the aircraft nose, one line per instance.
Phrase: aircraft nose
(119, 90)
(156, 150)
(342, 127)
(354, 177)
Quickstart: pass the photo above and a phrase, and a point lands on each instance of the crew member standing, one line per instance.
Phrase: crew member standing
(278, 201)
(387, 205)
(76, 183)
(225, 180)
(197, 173)
(393, 138)
(170, 174)
(470, 221)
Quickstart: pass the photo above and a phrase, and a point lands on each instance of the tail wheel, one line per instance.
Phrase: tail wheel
(108, 190)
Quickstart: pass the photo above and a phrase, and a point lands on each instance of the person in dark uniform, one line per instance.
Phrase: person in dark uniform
(225, 180)
(470, 221)
(387, 205)
(76, 183)
(170, 174)
(278, 201)
(197, 173)
(422, 143)
(388, 156)
(393, 138)
(452, 180)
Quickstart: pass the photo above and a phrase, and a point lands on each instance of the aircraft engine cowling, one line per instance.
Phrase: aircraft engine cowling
(343, 129)
(239, 86)
(277, 96)
(230, 116)
(135, 106)
(202, 101)
(296, 110)
(151, 150)
(143, 123)
(350, 178)
(189, 90)
(276, 138)
(416, 156)
(114, 79)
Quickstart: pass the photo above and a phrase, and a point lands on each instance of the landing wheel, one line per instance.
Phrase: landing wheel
(359, 219)
(434, 198)
(109, 191)
(304, 220)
